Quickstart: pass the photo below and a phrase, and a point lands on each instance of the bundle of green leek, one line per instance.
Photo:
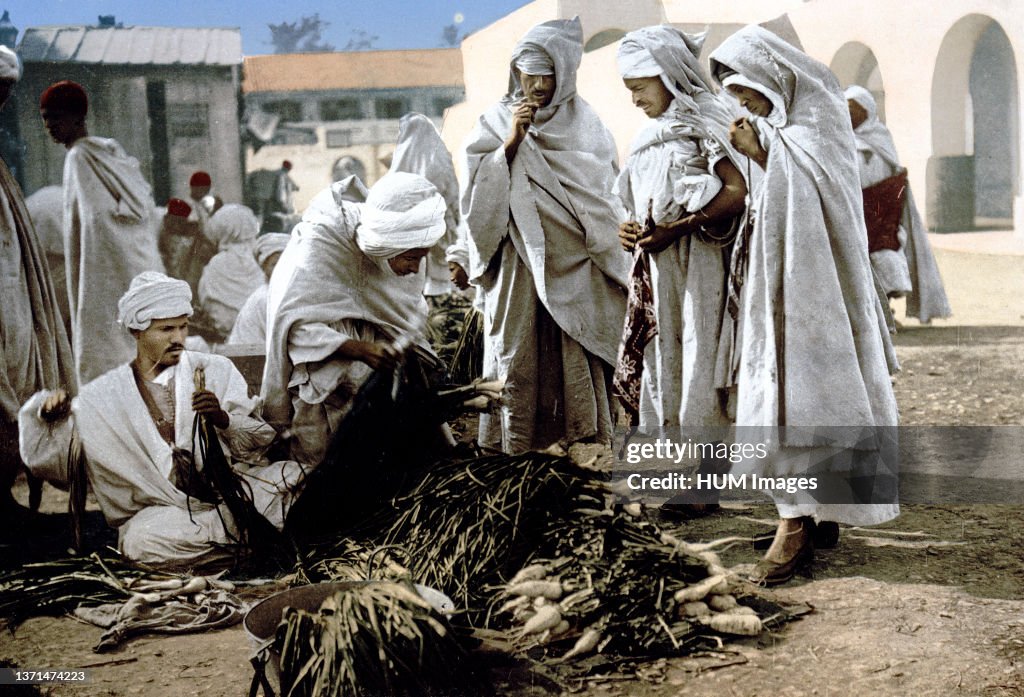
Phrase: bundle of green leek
(467, 359)
(372, 639)
(470, 524)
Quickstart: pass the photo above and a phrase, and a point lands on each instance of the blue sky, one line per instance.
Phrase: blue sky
(399, 24)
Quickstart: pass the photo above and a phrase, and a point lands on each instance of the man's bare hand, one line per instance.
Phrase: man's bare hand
(522, 117)
(375, 354)
(629, 233)
(743, 136)
(660, 238)
(206, 403)
(56, 407)
(458, 275)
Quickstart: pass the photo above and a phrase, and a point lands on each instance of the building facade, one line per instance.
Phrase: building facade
(947, 76)
(170, 96)
(336, 113)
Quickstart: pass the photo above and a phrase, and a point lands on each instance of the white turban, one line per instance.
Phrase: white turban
(635, 61)
(152, 295)
(403, 211)
(778, 116)
(533, 61)
(232, 224)
(10, 65)
(269, 244)
(864, 98)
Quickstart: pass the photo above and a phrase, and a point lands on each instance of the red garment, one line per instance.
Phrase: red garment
(883, 208)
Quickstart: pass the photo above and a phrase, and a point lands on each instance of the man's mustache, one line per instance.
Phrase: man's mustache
(176, 347)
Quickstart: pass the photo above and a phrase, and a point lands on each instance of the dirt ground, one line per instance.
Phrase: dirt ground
(930, 604)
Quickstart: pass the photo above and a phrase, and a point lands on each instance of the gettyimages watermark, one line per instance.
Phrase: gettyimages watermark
(835, 465)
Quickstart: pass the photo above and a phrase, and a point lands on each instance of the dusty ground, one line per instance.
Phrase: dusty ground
(940, 613)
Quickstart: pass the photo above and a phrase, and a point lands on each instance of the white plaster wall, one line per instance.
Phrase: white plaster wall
(905, 37)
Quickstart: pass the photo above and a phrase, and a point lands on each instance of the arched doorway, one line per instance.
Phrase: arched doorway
(855, 64)
(602, 39)
(973, 173)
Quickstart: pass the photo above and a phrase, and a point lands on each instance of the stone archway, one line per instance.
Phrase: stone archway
(974, 169)
(855, 64)
(602, 39)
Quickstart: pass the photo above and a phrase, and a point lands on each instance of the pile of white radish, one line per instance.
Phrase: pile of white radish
(547, 608)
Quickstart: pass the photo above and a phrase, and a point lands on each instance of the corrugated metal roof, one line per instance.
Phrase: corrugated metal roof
(132, 45)
(352, 70)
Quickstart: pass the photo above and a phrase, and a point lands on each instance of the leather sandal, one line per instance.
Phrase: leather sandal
(773, 573)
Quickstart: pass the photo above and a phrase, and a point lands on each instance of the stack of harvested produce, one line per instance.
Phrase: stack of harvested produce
(471, 524)
(58, 587)
(620, 586)
(347, 559)
(372, 639)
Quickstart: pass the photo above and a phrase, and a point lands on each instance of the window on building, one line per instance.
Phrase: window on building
(339, 138)
(440, 104)
(187, 120)
(392, 107)
(340, 110)
(286, 109)
(294, 136)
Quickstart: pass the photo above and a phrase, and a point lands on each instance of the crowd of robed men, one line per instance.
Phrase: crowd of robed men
(721, 279)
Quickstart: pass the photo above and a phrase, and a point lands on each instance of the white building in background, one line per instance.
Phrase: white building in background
(946, 74)
(343, 108)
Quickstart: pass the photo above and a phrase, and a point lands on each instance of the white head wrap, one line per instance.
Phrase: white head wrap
(635, 61)
(778, 116)
(664, 52)
(232, 224)
(269, 244)
(872, 135)
(864, 98)
(403, 211)
(533, 61)
(10, 64)
(152, 295)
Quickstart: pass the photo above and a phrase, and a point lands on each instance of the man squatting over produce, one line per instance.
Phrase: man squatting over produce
(135, 427)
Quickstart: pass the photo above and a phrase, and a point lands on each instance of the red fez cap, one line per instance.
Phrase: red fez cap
(176, 206)
(200, 179)
(65, 96)
(286, 164)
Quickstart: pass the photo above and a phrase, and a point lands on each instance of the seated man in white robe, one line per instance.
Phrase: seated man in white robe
(347, 288)
(135, 425)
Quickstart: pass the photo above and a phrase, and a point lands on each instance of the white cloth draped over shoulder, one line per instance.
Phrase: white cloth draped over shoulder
(34, 349)
(811, 368)
(678, 396)
(109, 237)
(251, 323)
(326, 291)
(232, 275)
(128, 462)
(542, 242)
(421, 151)
(926, 298)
